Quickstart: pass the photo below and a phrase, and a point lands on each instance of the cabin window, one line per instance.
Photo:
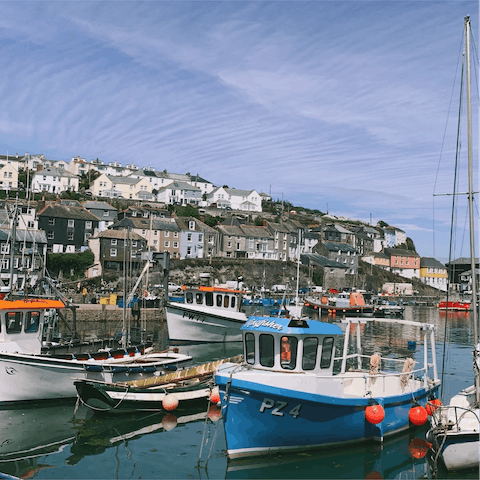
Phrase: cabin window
(250, 348)
(266, 350)
(288, 352)
(32, 322)
(199, 298)
(189, 297)
(219, 300)
(226, 301)
(232, 301)
(310, 348)
(327, 350)
(14, 322)
(209, 299)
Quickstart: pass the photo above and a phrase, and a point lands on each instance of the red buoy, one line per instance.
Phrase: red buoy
(432, 405)
(374, 413)
(170, 402)
(418, 448)
(215, 396)
(418, 415)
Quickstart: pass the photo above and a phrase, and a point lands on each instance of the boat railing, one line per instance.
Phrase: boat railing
(451, 415)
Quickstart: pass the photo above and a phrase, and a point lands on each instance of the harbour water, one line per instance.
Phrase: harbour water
(59, 441)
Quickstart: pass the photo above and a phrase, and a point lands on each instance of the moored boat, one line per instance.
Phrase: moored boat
(182, 388)
(27, 374)
(285, 396)
(207, 314)
(454, 305)
(455, 428)
(341, 305)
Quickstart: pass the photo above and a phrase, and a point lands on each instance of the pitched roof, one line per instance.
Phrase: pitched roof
(401, 252)
(183, 223)
(120, 234)
(308, 258)
(430, 262)
(56, 172)
(94, 205)
(63, 211)
(336, 246)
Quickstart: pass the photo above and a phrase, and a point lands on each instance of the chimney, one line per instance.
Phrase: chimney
(264, 223)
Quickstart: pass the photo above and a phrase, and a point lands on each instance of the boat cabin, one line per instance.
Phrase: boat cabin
(290, 345)
(213, 297)
(21, 324)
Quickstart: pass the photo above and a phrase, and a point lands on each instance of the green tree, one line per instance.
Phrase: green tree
(382, 224)
(66, 262)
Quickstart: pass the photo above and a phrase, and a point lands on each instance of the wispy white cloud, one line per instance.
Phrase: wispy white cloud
(338, 103)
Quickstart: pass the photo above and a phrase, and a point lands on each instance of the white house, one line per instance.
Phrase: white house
(54, 180)
(246, 200)
(179, 193)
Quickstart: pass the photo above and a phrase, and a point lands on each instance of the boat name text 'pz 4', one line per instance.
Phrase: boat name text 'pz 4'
(269, 404)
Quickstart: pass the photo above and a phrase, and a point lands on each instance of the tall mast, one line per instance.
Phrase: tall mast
(470, 200)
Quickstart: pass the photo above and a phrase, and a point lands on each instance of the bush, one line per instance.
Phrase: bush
(66, 262)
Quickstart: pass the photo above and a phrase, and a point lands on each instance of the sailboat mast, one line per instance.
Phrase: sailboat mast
(470, 196)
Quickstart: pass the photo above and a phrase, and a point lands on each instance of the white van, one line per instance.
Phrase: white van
(317, 289)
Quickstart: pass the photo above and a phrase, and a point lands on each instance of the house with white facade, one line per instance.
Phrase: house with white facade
(179, 193)
(54, 180)
(236, 199)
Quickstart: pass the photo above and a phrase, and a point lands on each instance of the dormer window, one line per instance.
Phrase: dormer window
(191, 225)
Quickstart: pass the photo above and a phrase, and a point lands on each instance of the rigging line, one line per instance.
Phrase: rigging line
(455, 184)
(445, 131)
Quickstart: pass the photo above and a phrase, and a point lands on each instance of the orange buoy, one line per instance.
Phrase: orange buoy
(169, 422)
(418, 448)
(170, 402)
(215, 396)
(374, 413)
(418, 415)
(214, 413)
(432, 405)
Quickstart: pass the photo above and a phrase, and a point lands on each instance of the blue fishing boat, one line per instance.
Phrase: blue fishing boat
(291, 392)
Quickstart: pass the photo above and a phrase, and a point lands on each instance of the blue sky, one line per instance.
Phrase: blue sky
(339, 105)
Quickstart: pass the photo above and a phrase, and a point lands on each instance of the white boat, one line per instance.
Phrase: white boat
(27, 374)
(207, 314)
(287, 396)
(454, 431)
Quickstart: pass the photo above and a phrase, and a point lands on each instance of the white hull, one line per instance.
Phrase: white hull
(461, 456)
(195, 325)
(39, 377)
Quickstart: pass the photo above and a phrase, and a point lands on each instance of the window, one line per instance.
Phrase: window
(310, 348)
(71, 223)
(14, 322)
(167, 233)
(225, 301)
(232, 301)
(189, 237)
(327, 351)
(50, 235)
(113, 252)
(175, 244)
(175, 234)
(155, 232)
(144, 232)
(189, 250)
(32, 322)
(266, 350)
(88, 225)
(250, 348)
(219, 300)
(288, 352)
(199, 298)
(51, 221)
(134, 243)
(167, 244)
(70, 235)
(209, 299)
(113, 241)
(5, 248)
(105, 213)
(189, 297)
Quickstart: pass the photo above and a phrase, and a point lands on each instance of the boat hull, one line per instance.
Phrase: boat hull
(118, 399)
(259, 419)
(40, 377)
(458, 452)
(186, 325)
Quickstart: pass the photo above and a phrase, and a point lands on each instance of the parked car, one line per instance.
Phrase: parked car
(172, 287)
(278, 288)
(305, 290)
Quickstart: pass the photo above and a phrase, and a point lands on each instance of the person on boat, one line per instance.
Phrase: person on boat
(286, 354)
